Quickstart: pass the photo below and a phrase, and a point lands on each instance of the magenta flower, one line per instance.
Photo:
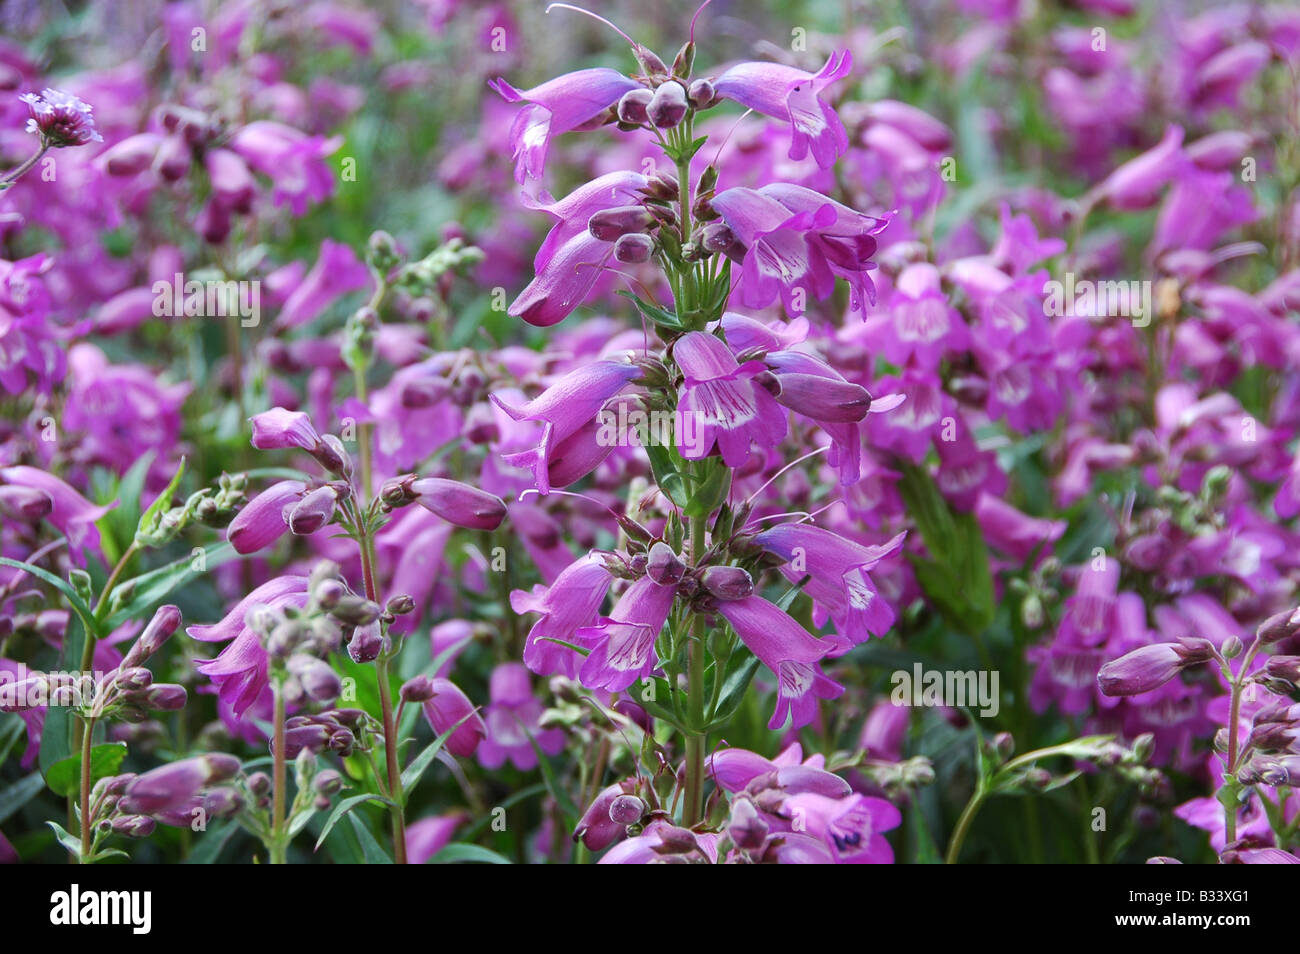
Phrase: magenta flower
(428, 836)
(790, 652)
(568, 604)
(447, 708)
(337, 272)
(70, 513)
(795, 242)
(239, 672)
(459, 503)
(1150, 667)
(292, 160)
(850, 826)
(60, 118)
(278, 429)
(565, 408)
(623, 644)
(174, 786)
(557, 106)
(513, 722)
(840, 586)
(728, 408)
(794, 96)
(261, 521)
(571, 259)
(1137, 183)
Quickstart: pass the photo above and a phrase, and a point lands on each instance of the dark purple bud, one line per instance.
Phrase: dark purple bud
(319, 682)
(626, 810)
(1279, 626)
(366, 644)
(663, 185)
(1150, 667)
(259, 783)
(130, 680)
(312, 512)
(609, 225)
(134, 826)
(400, 605)
(634, 248)
(718, 237)
(663, 565)
(747, 828)
(165, 697)
(701, 94)
(328, 593)
(327, 782)
(224, 802)
(417, 689)
(727, 582)
(632, 108)
(310, 738)
(596, 829)
(668, 106)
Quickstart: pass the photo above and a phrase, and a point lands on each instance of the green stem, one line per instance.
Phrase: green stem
(87, 739)
(964, 822)
(392, 769)
(279, 841)
(693, 810)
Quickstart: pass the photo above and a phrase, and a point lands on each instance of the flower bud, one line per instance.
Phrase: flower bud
(312, 512)
(355, 610)
(632, 107)
(417, 689)
(1279, 626)
(701, 94)
(727, 582)
(747, 828)
(459, 503)
(663, 565)
(166, 697)
(319, 682)
(400, 605)
(634, 248)
(609, 225)
(133, 826)
(327, 782)
(366, 643)
(668, 106)
(626, 810)
(596, 828)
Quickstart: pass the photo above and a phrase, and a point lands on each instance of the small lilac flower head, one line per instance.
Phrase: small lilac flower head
(60, 118)
(280, 428)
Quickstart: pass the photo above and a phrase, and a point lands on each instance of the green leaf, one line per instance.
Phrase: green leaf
(457, 853)
(155, 586)
(370, 849)
(657, 315)
(341, 809)
(411, 776)
(56, 737)
(63, 586)
(64, 776)
(711, 494)
(212, 844)
(663, 461)
(70, 842)
(925, 852)
(19, 794)
(733, 690)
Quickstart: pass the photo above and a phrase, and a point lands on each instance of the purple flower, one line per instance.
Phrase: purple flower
(240, 671)
(279, 428)
(428, 836)
(557, 106)
(459, 503)
(1137, 183)
(292, 160)
(838, 584)
(72, 514)
(60, 118)
(725, 404)
(513, 722)
(173, 786)
(1150, 667)
(793, 95)
(261, 521)
(797, 240)
(850, 826)
(336, 273)
(565, 408)
(571, 258)
(447, 708)
(566, 605)
(623, 644)
(790, 652)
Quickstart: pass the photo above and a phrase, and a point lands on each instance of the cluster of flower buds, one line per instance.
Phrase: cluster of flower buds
(209, 507)
(177, 794)
(456, 502)
(667, 93)
(127, 693)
